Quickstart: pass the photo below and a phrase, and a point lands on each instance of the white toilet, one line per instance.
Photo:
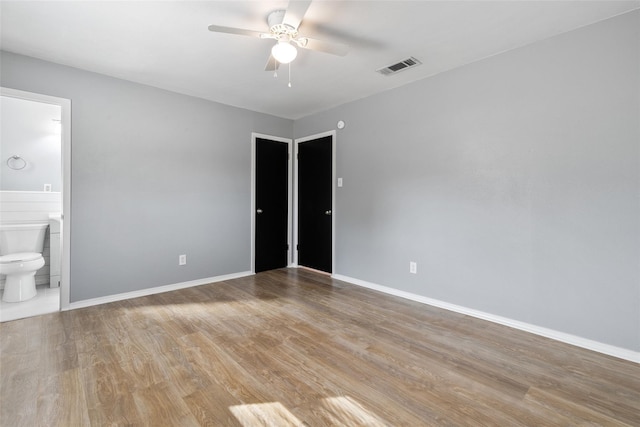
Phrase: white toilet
(21, 247)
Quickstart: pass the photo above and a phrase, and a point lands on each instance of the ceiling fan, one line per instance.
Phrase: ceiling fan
(283, 27)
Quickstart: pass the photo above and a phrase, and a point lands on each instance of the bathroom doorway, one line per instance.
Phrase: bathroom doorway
(35, 157)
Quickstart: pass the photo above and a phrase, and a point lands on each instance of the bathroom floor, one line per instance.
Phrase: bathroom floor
(47, 300)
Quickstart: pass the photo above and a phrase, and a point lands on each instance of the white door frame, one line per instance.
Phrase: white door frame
(65, 256)
(297, 141)
(289, 142)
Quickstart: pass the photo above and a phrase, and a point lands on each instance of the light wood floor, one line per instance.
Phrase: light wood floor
(293, 347)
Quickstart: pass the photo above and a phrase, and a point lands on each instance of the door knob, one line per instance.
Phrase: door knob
(259, 211)
(327, 212)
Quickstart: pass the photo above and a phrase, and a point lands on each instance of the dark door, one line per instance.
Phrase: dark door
(271, 215)
(314, 203)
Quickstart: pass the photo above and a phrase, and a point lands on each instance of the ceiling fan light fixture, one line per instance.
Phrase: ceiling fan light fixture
(284, 52)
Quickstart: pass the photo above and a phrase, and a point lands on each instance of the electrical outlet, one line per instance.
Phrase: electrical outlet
(182, 260)
(413, 267)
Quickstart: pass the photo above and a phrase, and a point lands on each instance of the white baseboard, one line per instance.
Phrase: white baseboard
(610, 350)
(156, 290)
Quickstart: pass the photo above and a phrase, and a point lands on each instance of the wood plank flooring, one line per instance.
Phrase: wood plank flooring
(293, 347)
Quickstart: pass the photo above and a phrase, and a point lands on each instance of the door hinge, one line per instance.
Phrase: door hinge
(287, 246)
(297, 247)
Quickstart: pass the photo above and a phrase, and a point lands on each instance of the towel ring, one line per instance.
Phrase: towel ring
(11, 163)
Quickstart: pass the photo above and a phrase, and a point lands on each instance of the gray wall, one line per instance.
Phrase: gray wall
(154, 174)
(513, 182)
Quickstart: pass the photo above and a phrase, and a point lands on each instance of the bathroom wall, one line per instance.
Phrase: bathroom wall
(30, 130)
(30, 207)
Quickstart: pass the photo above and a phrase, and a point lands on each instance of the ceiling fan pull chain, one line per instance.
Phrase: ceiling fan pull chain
(289, 74)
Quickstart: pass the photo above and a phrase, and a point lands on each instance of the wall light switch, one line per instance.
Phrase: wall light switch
(339, 182)
(182, 260)
(47, 188)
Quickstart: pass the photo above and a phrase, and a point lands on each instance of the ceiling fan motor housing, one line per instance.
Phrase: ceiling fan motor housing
(281, 31)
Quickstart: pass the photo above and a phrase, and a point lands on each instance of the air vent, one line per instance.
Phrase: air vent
(400, 66)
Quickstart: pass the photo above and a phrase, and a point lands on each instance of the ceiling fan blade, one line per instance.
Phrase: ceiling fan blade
(238, 31)
(272, 64)
(295, 12)
(327, 47)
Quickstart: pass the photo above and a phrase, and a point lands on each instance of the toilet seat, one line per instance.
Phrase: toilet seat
(20, 257)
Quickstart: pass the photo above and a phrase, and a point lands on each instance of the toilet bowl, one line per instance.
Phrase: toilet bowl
(21, 248)
(20, 269)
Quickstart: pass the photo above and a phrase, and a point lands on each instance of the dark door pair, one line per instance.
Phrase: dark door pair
(314, 204)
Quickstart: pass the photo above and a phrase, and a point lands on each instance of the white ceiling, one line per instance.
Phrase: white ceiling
(167, 44)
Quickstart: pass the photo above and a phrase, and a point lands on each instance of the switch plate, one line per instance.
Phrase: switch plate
(47, 188)
(339, 182)
(413, 267)
(182, 259)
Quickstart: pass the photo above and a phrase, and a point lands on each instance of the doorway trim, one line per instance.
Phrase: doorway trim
(289, 142)
(332, 134)
(65, 256)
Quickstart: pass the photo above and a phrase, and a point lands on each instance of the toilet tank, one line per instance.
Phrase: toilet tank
(16, 238)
